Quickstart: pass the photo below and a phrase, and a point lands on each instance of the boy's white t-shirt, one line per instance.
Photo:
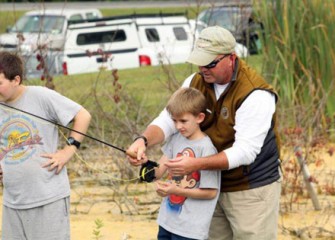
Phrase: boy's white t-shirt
(189, 217)
(24, 138)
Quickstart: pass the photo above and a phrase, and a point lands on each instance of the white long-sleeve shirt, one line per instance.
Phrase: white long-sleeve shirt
(252, 123)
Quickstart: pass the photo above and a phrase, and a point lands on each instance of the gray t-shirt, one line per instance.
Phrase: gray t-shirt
(189, 217)
(24, 138)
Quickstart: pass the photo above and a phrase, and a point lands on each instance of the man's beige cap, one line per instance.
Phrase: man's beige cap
(212, 42)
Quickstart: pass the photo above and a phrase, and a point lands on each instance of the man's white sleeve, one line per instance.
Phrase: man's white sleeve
(252, 123)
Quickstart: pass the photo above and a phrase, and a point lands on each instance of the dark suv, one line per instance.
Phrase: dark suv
(239, 20)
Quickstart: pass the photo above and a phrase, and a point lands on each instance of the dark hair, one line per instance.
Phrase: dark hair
(11, 65)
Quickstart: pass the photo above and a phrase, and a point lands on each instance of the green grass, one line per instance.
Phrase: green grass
(146, 85)
(8, 18)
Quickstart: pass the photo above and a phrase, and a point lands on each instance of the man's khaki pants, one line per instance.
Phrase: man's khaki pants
(247, 215)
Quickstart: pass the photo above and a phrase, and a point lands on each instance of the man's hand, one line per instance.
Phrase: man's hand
(59, 159)
(182, 165)
(136, 152)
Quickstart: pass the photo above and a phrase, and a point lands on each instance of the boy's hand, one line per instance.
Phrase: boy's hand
(59, 159)
(160, 188)
(164, 189)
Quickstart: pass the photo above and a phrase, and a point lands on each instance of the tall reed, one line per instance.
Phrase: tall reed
(299, 58)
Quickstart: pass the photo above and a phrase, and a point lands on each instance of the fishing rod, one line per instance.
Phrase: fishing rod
(70, 129)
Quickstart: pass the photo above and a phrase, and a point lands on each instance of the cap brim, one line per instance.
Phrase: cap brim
(201, 58)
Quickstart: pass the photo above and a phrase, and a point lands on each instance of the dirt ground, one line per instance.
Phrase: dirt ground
(304, 222)
(98, 212)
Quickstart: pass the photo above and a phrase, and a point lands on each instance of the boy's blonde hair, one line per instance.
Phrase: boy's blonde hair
(186, 100)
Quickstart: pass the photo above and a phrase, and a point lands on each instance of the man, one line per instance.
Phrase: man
(241, 123)
(36, 193)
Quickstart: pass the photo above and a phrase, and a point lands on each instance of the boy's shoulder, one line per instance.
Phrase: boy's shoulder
(42, 94)
(40, 91)
(38, 88)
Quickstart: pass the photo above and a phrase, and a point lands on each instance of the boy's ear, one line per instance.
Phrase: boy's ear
(18, 79)
(201, 118)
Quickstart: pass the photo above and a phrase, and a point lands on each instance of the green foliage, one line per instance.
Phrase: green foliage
(299, 56)
(8, 18)
(97, 230)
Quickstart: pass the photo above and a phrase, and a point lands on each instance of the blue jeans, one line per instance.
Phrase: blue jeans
(166, 235)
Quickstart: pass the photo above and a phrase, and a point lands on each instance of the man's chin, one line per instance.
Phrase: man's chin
(208, 79)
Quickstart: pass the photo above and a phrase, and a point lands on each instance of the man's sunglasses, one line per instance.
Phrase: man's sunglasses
(215, 62)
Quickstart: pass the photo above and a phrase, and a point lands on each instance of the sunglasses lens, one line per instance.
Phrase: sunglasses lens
(212, 64)
(215, 62)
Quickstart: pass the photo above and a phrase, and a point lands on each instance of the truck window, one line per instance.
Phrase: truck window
(152, 34)
(76, 17)
(91, 15)
(180, 33)
(101, 37)
(38, 23)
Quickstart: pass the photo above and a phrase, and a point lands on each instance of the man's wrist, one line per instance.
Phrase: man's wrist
(144, 139)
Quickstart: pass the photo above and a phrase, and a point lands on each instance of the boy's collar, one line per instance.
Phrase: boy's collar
(18, 94)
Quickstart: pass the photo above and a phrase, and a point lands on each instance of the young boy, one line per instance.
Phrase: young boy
(189, 201)
(36, 187)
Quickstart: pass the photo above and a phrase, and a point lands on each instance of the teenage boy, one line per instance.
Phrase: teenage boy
(189, 201)
(36, 188)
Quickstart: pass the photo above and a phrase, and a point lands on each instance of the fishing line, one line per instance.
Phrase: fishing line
(100, 170)
(88, 136)
(70, 129)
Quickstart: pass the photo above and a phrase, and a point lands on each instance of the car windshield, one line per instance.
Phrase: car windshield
(229, 18)
(39, 23)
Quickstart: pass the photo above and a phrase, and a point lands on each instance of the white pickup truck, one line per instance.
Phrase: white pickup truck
(128, 42)
(46, 27)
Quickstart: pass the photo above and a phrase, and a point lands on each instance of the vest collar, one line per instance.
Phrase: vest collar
(237, 65)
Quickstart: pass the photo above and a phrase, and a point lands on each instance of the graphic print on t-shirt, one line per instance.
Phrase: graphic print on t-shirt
(18, 135)
(191, 180)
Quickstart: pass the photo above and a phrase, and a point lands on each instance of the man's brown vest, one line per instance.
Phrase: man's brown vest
(219, 126)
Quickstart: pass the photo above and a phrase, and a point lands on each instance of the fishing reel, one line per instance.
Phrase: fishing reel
(147, 171)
